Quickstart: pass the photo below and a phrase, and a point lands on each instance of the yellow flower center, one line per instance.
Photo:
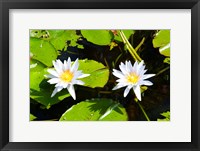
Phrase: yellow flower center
(66, 76)
(133, 78)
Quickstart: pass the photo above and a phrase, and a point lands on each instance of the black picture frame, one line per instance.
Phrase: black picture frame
(5, 5)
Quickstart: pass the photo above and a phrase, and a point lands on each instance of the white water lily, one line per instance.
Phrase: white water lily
(65, 75)
(132, 77)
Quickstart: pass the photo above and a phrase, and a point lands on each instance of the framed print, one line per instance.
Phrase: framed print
(99, 75)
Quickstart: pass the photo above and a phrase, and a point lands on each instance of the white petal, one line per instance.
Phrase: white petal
(67, 65)
(123, 68)
(60, 64)
(122, 80)
(59, 84)
(79, 82)
(117, 73)
(56, 90)
(146, 82)
(146, 76)
(57, 67)
(140, 66)
(77, 74)
(64, 85)
(71, 90)
(53, 72)
(75, 66)
(53, 80)
(49, 76)
(118, 86)
(135, 66)
(142, 72)
(136, 89)
(83, 76)
(127, 90)
(128, 66)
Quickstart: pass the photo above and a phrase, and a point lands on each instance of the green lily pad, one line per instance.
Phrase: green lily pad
(42, 51)
(166, 115)
(99, 74)
(162, 41)
(127, 33)
(43, 96)
(96, 110)
(42, 34)
(55, 33)
(167, 60)
(41, 91)
(37, 72)
(98, 37)
(60, 39)
(32, 117)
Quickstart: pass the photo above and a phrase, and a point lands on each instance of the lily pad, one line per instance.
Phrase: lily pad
(166, 115)
(98, 37)
(37, 72)
(43, 96)
(127, 33)
(32, 117)
(42, 51)
(41, 91)
(96, 110)
(99, 74)
(162, 41)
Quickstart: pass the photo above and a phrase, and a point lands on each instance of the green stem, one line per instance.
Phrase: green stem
(145, 114)
(130, 48)
(163, 70)
(124, 41)
(140, 44)
(106, 63)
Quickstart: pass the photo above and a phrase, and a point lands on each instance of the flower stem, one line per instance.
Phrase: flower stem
(140, 44)
(161, 71)
(143, 111)
(132, 51)
(124, 41)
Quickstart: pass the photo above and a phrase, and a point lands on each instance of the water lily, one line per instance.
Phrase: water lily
(132, 77)
(65, 75)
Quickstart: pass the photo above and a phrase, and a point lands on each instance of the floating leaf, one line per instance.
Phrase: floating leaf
(61, 37)
(99, 74)
(42, 34)
(167, 60)
(162, 41)
(127, 33)
(95, 110)
(112, 45)
(36, 75)
(166, 115)
(98, 37)
(41, 91)
(55, 33)
(36, 65)
(165, 50)
(32, 117)
(43, 96)
(42, 51)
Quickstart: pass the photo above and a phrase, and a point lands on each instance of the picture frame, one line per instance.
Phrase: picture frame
(6, 5)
